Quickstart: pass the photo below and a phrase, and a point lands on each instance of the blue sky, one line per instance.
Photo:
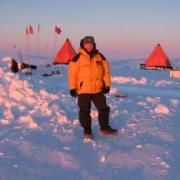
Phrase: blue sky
(123, 28)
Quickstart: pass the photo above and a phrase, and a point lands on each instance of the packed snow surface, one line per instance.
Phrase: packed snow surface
(40, 135)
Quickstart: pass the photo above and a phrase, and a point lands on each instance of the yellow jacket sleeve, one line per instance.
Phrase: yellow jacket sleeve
(106, 78)
(72, 74)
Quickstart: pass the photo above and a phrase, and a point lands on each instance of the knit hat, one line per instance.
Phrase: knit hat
(88, 39)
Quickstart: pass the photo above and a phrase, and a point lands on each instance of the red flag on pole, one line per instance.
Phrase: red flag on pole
(27, 32)
(57, 30)
(31, 29)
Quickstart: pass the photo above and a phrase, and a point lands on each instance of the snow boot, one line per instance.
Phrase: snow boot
(108, 131)
(88, 137)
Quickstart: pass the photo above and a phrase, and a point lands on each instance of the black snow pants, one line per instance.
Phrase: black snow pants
(84, 103)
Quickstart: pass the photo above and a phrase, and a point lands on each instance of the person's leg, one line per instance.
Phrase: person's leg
(84, 103)
(99, 101)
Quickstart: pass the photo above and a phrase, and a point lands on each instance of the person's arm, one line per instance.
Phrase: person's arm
(73, 73)
(107, 76)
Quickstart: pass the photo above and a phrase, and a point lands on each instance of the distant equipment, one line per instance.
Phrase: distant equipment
(121, 95)
(175, 73)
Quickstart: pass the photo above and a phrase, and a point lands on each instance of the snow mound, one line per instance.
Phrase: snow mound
(28, 120)
(161, 109)
(153, 100)
(22, 102)
(162, 83)
(131, 80)
(113, 90)
(6, 59)
(174, 102)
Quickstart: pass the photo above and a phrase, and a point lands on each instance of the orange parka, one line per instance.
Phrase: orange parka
(88, 75)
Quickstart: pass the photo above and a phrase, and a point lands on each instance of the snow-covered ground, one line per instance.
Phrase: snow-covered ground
(40, 136)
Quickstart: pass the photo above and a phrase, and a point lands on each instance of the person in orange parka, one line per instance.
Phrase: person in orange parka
(89, 78)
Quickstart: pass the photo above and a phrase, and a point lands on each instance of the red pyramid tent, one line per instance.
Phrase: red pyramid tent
(158, 59)
(65, 54)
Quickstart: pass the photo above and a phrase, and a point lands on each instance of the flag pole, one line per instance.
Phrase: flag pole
(27, 43)
(30, 33)
(29, 49)
(46, 49)
(57, 33)
(38, 40)
(54, 45)
(14, 50)
(29, 59)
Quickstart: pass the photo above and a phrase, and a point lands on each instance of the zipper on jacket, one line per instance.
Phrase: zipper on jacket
(91, 73)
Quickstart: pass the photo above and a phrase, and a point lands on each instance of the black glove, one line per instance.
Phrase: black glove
(106, 89)
(73, 92)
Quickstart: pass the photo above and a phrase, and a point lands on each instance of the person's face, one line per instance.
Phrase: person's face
(89, 47)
